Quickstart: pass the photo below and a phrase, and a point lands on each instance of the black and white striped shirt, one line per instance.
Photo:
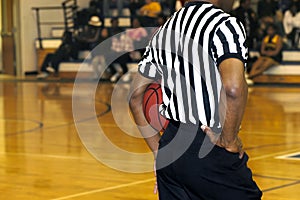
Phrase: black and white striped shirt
(184, 54)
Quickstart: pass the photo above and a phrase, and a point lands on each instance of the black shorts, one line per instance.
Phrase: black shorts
(183, 175)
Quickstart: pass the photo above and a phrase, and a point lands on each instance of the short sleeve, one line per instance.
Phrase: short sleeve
(229, 41)
(147, 66)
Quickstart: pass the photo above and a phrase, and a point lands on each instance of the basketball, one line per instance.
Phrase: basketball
(151, 102)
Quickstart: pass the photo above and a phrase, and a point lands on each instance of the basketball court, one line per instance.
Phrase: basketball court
(43, 155)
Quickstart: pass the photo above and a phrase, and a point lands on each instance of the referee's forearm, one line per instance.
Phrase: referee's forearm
(235, 107)
(150, 135)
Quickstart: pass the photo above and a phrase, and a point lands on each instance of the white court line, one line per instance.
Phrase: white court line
(273, 154)
(245, 132)
(105, 189)
(122, 185)
(46, 156)
(152, 179)
(90, 159)
(289, 156)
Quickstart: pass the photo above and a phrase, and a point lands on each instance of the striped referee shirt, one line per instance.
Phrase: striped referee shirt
(184, 55)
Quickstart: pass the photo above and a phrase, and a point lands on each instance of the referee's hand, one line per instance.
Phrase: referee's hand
(234, 146)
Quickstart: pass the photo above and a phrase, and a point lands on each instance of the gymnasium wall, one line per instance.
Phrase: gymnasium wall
(1, 41)
(28, 29)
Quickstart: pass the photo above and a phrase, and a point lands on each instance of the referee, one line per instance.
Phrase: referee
(199, 58)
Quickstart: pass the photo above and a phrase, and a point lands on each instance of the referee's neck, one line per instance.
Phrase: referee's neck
(225, 5)
(215, 2)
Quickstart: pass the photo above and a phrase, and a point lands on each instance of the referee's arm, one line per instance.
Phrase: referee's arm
(138, 88)
(236, 92)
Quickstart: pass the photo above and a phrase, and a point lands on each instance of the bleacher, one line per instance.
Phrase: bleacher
(45, 45)
(287, 72)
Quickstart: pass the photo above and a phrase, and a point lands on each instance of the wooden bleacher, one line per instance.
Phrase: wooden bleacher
(288, 72)
(69, 69)
(49, 45)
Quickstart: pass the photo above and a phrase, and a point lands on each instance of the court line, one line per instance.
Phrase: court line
(144, 181)
(105, 189)
(91, 159)
(259, 133)
(275, 178)
(281, 186)
(270, 145)
(273, 154)
(152, 179)
(38, 126)
(47, 156)
(73, 122)
(41, 124)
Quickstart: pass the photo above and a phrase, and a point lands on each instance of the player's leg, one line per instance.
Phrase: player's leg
(269, 62)
(169, 187)
(262, 66)
(256, 67)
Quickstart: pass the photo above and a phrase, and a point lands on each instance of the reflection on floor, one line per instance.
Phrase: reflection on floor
(58, 141)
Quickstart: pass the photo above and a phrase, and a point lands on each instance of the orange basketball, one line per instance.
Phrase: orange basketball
(151, 102)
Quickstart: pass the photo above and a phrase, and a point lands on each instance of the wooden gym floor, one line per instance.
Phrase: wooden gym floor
(42, 157)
